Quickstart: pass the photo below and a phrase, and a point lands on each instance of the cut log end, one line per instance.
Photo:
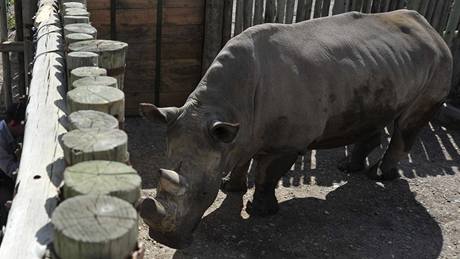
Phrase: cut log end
(99, 98)
(96, 80)
(94, 226)
(112, 55)
(95, 144)
(102, 177)
(80, 28)
(73, 4)
(82, 72)
(87, 119)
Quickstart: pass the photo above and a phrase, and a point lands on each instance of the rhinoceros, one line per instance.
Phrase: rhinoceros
(275, 91)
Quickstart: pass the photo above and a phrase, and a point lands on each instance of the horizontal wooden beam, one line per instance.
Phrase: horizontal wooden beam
(28, 230)
(12, 46)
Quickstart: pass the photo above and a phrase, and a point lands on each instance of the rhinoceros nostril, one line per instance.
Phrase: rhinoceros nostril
(152, 211)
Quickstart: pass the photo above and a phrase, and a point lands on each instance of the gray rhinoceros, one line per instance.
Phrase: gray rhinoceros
(276, 91)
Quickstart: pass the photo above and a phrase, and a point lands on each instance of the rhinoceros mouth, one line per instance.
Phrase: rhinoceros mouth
(161, 213)
(164, 228)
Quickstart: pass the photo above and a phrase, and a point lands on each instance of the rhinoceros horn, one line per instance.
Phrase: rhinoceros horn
(172, 183)
(163, 115)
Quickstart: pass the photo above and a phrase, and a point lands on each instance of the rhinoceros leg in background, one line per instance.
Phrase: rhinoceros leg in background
(270, 168)
(361, 150)
(406, 128)
(237, 180)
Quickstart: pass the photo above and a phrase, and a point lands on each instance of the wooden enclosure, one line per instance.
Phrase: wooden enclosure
(180, 38)
(28, 229)
(171, 43)
(190, 33)
(226, 19)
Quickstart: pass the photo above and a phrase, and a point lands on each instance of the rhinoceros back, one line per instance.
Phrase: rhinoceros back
(329, 80)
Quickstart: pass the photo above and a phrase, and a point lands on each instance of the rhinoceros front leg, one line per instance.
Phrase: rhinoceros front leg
(237, 180)
(361, 150)
(269, 170)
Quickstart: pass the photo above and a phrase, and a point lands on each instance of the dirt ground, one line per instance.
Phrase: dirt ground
(325, 213)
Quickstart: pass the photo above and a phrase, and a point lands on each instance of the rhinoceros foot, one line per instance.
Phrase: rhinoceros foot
(231, 185)
(346, 166)
(262, 207)
(376, 173)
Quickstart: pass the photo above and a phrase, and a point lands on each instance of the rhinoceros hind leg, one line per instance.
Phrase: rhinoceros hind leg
(406, 128)
(269, 170)
(237, 180)
(357, 162)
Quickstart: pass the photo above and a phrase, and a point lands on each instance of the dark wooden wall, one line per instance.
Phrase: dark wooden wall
(181, 48)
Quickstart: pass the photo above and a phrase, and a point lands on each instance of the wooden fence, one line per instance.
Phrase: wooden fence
(52, 158)
(21, 45)
(164, 58)
(28, 229)
(226, 19)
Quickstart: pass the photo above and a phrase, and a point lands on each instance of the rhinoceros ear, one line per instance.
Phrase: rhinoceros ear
(162, 115)
(224, 131)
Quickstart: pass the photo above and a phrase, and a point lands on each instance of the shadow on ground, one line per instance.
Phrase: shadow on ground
(359, 219)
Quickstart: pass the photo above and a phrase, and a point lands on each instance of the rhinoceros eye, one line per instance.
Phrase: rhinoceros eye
(224, 131)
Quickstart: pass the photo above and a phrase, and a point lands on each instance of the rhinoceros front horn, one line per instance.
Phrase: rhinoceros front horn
(172, 183)
(152, 211)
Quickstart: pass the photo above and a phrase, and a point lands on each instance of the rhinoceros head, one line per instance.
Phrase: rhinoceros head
(197, 140)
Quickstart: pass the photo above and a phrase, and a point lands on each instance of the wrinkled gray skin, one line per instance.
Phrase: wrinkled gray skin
(277, 90)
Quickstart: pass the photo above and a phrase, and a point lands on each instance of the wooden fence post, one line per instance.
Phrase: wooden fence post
(82, 72)
(452, 23)
(20, 38)
(96, 80)
(75, 37)
(339, 7)
(75, 12)
(95, 144)
(84, 227)
(112, 56)
(212, 32)
(89, 119)
(281, 11)
(239, 17)
(29, 8)
(102, 177)
(99, 98)
(5, 55)
(270, 11)
(289, 11)
(318, 8)
(227, 21)
(80, 28)
(248, 17)
(258, 11)
(80, 59)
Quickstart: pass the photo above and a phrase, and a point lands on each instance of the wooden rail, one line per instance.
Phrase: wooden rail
(28, 230)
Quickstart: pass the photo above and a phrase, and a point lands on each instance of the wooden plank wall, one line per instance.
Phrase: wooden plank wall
(181, 48)
(252, 12)
(444, 15)
(193, 32)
